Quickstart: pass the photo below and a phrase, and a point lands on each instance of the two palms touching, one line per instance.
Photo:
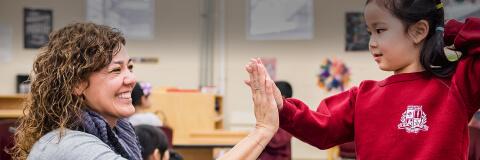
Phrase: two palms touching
(266, 96)
(267, 100)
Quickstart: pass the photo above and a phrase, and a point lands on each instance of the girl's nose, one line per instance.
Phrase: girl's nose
(372, 43)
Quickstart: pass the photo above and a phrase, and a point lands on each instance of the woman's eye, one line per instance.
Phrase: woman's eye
(115, 70)
(380, 30)
(130, 67)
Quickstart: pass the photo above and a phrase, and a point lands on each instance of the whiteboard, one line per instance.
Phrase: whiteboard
(280, 19)
(135, 18)
(5, 43)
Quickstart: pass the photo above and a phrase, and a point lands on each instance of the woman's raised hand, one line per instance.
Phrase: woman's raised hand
(263, 93)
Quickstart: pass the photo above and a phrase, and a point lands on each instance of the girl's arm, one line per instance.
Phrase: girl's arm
(465, 37)
(331, 124)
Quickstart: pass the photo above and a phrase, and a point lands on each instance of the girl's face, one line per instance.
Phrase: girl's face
(109, 90)
(145, 101)
(390, 45)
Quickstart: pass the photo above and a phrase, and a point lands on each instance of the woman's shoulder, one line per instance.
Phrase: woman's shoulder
(70, 145)
(66, 137)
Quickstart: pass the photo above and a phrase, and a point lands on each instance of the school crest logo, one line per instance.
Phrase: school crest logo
(413, 120)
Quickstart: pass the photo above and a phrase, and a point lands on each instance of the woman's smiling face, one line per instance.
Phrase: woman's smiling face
(109, 90)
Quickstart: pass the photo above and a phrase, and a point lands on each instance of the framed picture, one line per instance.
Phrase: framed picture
(271, 66)
(356, 36)
(37, 25)
(461, 9)
(23, 83)
(135, 18)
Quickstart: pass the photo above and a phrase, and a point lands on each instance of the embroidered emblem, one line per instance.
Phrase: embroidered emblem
(413, 120)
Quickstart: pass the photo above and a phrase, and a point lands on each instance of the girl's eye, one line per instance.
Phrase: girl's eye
(369, 33)
(380, 30)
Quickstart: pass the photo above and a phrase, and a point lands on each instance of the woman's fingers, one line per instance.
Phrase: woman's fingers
(269, 92)
(267, 111)
(250, 81)
(255, 83)
(261, 75)
(258, 77)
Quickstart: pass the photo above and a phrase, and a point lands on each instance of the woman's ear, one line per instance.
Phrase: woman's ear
(79, 88)
(419, 31)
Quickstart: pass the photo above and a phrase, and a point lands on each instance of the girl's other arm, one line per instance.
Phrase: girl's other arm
(465, 37)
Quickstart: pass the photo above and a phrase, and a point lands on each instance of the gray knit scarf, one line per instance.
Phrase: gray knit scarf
(121, 138)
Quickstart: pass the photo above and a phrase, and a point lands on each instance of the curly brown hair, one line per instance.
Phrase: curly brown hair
(72, 54)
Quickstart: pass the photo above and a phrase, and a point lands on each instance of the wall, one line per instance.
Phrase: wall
(176, 43)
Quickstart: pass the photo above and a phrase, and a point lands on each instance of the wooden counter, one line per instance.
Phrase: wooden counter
(11, 105)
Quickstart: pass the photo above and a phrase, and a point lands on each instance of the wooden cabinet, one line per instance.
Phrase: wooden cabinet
(197, 123)
(11, 106)
(188, 113)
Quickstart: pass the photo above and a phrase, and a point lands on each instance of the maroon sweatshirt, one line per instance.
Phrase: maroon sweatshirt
(406, 116)
(279, 148)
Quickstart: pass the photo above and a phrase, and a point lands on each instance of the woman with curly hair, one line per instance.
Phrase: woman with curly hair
(80, 98)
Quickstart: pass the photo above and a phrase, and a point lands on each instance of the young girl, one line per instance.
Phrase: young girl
(141, 102)
(153, 141)
(420, 112)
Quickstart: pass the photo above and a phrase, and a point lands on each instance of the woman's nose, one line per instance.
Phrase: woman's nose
(130, 78)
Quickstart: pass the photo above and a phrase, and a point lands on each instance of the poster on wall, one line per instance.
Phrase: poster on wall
(37, 25)
(280, 20)
(461, 9)
(5, 43)
(356, 36)
(134, 18)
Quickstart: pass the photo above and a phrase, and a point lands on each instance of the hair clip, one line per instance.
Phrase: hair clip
(440, 29)
(146, 88)
(452, 54)
(435, 67)
(439, 6)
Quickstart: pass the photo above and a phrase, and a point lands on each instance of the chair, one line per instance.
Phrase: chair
(6, 137)
(169, 133)
(347, 150)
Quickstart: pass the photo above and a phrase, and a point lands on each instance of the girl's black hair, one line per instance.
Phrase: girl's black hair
(285, 88)
(137, 94)
(151, 138)
(432, 55)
